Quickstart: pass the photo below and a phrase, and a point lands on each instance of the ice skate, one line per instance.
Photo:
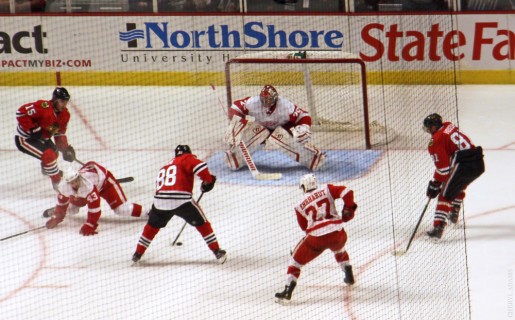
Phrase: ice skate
(136, 257)
(349, 275)
(455, 214)
(285, 296)
(48, 212)
(220, 255)
(436, 233)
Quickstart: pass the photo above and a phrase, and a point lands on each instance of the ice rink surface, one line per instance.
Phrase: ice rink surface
(58, 274)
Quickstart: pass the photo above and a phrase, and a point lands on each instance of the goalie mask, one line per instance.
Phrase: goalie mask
(432, 120)
(268, 97)
(308, 182)
(182, 149)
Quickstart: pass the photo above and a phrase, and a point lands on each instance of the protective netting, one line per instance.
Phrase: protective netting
(130, 113)
(330, 85)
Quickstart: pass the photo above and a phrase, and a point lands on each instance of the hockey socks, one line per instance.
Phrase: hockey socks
(146, 238)
(209, 236)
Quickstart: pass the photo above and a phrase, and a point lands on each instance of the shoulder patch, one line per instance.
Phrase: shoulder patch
(44, 104)
(430, 142)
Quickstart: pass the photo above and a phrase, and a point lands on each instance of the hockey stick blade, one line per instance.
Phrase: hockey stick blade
(399, 253)
(125, 180)
(267, 176)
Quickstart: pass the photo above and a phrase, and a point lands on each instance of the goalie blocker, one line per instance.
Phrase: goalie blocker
(254, 135)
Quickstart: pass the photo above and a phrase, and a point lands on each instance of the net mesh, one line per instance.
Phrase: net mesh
(132, 107)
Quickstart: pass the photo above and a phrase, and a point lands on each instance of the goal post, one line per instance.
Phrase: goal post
(331, 86)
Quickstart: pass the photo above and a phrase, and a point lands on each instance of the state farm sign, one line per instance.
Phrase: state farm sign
(393, 43)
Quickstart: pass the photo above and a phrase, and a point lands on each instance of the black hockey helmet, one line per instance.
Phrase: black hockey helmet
(433, 119)
(182, 149)
(60, 93)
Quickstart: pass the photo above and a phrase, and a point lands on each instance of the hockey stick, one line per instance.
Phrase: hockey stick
(24, 232)
(252, 166)
(401, 252)
(121, 180)
(126, 179)
(184, 226)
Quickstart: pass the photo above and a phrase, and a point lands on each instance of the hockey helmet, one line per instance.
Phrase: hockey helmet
(268, 96)
(60, 93)
(182, 149)
(308, 182)
(70, 174)
(431, 120)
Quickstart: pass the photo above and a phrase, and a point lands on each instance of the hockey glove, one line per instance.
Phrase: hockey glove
(348, 212)
(89, 229)
(69, 154)
(433, 189)
(206, 187)
(55, 219)
(301, 133)
(53, 129)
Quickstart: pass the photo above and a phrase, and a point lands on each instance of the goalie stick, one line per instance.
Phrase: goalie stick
(21, 233)
(401, 252)
(252, 167)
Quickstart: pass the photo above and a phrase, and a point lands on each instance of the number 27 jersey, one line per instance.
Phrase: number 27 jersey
(317, 214)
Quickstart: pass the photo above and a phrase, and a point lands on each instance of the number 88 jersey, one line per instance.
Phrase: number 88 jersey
(174, 182)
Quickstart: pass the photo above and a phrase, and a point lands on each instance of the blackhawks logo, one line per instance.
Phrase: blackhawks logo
(44, 105)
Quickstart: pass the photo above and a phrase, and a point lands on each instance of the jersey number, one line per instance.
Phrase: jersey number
(166, 177)
(458, 140)
(321, 211)
(30, 110)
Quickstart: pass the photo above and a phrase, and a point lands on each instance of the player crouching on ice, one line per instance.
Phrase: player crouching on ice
(277, 120)
(317, 216)
(85, 187)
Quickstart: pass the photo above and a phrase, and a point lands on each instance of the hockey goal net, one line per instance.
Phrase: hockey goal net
(331, 86)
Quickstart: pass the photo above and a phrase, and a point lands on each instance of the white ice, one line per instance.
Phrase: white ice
(59, 274)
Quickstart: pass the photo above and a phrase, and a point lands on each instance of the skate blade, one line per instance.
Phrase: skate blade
(222, 260)
(283, 302)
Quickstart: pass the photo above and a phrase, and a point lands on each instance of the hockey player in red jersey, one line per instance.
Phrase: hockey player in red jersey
(85, 187)
(173, 197)
(38, 123)
(458, 162)
(276, 120)
(317, 216)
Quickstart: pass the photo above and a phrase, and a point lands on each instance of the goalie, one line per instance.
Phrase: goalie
(276, 120)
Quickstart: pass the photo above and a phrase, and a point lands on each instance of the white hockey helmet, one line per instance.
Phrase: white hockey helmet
(308, 182)
(70, 174)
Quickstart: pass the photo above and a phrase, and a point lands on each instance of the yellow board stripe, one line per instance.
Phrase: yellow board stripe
(88, 78)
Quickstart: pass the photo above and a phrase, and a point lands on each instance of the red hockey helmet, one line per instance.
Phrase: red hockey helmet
(268, 96)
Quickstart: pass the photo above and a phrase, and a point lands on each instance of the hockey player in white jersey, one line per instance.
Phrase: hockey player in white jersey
(317, 216)
(85, 187)
(276, 120)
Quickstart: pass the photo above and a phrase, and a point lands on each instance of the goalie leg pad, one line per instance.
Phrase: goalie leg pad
(307, 155)
(235, 130)
(253, 137)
